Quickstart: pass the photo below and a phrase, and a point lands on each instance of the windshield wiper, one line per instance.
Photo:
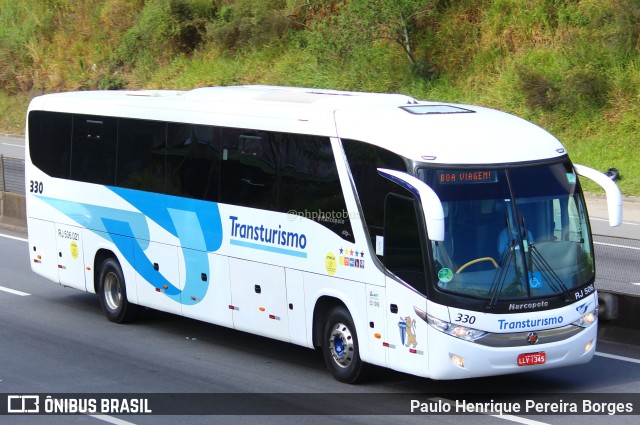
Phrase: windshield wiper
(498, 281)
(542, 265)
(501, 277)
(556, 284)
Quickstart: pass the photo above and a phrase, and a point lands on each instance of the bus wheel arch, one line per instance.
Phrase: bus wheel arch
(109, 283)
(98, 259)
(334, 331)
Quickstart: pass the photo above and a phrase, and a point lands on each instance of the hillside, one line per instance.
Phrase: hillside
(571, 66)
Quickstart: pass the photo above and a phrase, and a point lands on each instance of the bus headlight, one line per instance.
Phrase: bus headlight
(588, 319)
(462, 332)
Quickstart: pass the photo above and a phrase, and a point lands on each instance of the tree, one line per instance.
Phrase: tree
(358, 22)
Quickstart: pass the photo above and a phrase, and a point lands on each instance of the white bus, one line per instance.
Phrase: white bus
(445, 241)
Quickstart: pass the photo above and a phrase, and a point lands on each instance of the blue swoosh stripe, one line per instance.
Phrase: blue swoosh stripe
(268, 248)
(195, 223)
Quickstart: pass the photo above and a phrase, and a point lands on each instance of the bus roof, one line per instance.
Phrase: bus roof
(434, 132)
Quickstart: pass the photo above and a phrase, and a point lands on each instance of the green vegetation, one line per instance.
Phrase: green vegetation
(571, 66)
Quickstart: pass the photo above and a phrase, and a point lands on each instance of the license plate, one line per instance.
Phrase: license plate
(531, 359)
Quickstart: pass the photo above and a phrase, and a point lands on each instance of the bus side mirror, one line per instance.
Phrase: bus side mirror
(614, 197)
(429, 201)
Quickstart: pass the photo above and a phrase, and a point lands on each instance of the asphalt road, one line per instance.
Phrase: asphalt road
(56, 340)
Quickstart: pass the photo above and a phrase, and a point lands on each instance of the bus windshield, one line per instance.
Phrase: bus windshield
(512, 233)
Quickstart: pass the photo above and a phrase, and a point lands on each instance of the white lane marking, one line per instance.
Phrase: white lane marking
(105, 418)
(13, 237)
(615, 357)
(9, 290)
(617, 246)
(13, 291)
(511, 418)
(607, 220)
(111, 420)
(13, 144)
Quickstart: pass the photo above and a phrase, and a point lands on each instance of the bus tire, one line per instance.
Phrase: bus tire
(340, 346)
(112, 293)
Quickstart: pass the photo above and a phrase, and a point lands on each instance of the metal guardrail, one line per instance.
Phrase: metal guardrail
(617, 262)
(12, 175)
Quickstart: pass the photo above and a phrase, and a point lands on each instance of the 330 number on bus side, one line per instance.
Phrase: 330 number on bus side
(36, 187)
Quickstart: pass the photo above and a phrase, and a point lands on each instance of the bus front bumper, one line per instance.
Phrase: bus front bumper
(454, 358)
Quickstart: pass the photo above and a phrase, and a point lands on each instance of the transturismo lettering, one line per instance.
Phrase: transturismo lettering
(260, 233)
(530, 323)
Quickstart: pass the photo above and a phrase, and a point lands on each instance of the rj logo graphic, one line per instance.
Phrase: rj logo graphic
(23, 404)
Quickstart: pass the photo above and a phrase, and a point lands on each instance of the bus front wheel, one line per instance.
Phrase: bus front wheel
(340, 346)
(112, 292)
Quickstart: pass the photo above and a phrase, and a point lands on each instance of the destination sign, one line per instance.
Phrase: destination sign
(467, 176)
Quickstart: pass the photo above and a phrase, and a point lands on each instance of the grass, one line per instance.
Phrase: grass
(570, 67)
(12, 113)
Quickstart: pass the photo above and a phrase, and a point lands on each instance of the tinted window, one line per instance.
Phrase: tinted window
(193, 161)
(248, 168)
(402, 246)
(50, 142)
(281, 172)
(94, 149)
(309, 182)
(141, 154)
(364, 160)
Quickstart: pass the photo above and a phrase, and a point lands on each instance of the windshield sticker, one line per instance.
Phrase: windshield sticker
(535, 281)
(571, 178)
(445, 275)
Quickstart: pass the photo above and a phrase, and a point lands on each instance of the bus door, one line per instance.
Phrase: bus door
(70, 256)
(403, 257)
(259, 298)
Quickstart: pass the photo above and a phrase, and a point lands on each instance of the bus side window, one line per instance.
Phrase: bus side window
(248, 175)
(94, 149)
(364, 160)
(403, 254)
(50, 142)
(141, 154)
(309, 183)
(193, 161)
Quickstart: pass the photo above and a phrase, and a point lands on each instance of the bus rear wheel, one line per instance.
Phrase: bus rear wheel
(112, 293)
(340, 346)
